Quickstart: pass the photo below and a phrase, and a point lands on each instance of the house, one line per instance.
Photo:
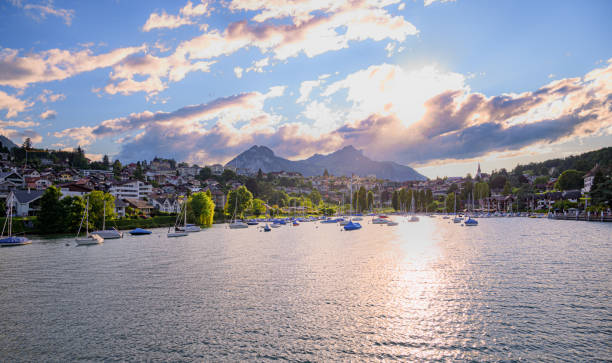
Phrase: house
(120, 207)
(13, 177)
(166, 205)
(25, 202)
(217, 169)
(134, 189)
(589, 178)
(42, 184)
(219, 198)
(143, 206)
(74, 190)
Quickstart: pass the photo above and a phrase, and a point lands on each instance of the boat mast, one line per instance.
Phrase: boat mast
(104, 216)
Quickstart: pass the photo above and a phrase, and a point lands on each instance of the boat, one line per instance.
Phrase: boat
(266, 228)
(456, 219)
(413, 217)
(275, 225)
(351, 226)
(88, 238)
(107, 233)
(379, 221)
(238, 225)
(252, 223)
(392, 223)
(139, 232)
(295, 223)
(470, 222)
(11, 240)
(178, 232)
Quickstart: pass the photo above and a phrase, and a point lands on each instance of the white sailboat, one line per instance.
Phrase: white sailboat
(87, 239)
(107, 233)
(177, 232)
(413, 217)
(456, 219)
(11, 240)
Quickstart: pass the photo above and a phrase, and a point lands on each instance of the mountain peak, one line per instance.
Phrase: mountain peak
(263, 150)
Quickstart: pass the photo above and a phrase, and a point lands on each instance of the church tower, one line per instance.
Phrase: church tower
(478, 171)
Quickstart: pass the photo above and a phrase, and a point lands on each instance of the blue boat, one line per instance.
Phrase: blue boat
(351, 226)
(267, 228)
(252, 223)
(471, 222)
(14, 241)
(330, 221)
(139, 232)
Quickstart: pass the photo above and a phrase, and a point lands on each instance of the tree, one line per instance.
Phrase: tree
(497, 182)
(201, 208)
(105, 162)
(117, 168)
(569, 180)
(481, 190)
(27, 144)
(315, 197)
(395, 200)
(453, 188)
(326, 173)
(205, 173)
(251, 185)
(362, 199)
(259, 175)
(450, 202)
(507, 188)
(370, 200)
(97, 211)
(258, 207)
(228, 174)
(138, 173)
(72, 210)
(601, 191)
(51, 216)
(238, 201)
(355, 200)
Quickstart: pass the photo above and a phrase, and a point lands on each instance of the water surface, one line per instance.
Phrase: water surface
(509, 289)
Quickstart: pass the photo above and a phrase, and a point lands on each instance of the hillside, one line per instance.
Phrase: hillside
(583, 162)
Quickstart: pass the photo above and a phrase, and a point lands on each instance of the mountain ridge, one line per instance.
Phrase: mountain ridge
(345, 161)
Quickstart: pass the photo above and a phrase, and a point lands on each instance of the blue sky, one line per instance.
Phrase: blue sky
(438, 85)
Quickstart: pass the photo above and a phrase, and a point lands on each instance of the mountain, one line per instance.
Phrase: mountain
(6, 142)
(346, 161)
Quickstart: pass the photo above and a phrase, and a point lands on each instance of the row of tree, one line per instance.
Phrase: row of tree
(401, 200)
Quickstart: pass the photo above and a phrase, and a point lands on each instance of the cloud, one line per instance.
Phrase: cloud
(48, 115)
(316, 27)
(413, 116)
(306, 87)
(187, 13)
(54, 64)
(19, 124)
(49, 96)
(238, 72)
(42, 10)
(12, 104)
(429, 2)
(21, 135)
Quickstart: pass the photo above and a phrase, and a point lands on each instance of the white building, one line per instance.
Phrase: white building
(134, 189)
(74, 190)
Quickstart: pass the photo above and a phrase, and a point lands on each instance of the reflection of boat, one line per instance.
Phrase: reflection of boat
(351, 226)
(88, 239)
(11, 240)
(139, 232)
(392, 223)
(107, 233)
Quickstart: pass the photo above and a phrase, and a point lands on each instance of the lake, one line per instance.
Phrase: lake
(509, 289)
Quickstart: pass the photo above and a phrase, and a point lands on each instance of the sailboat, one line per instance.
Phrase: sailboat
(413, 217)
(456, 219)
(107, 233)
(11, 240)
(88, 239)
(350, 225)
(177, 232)
(237, 224)
(471, 221)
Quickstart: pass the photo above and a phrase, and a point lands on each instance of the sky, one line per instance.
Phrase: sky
(435, 84)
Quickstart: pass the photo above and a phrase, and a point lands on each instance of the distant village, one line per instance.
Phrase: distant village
(155, 186)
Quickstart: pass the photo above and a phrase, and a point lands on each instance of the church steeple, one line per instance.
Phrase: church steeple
(478, 171)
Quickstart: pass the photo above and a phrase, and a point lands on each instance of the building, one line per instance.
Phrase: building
(141, 205)
(132, 189)
(26, 202)
(166, 205)
(217, 169)
(589, 178)
(74, 190)
(120, 207)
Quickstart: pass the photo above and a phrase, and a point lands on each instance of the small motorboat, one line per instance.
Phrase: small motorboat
(275, 225)
(252, 223)
(139, 232)
(471, 222)
(238, 225)
(295, 223)
(351, 226)
(266, 228)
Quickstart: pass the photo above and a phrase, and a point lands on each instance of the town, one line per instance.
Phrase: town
(149, 188)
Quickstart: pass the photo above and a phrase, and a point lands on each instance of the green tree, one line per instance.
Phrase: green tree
(326, 173)
(228, 174)
(259, 175)
(117, 168)
(362, 199)
(507, 188)
(27, 144)
(453, 188)
(97, 210)
(205, 173)
(258, 207)
(450, 202)
(51, 216)
(395, 200)
(370, 200)
(315, 197)
(201, 208)
(238, 201)
(138, 173)
(570, 179)
(105, 162)
(72, 209)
